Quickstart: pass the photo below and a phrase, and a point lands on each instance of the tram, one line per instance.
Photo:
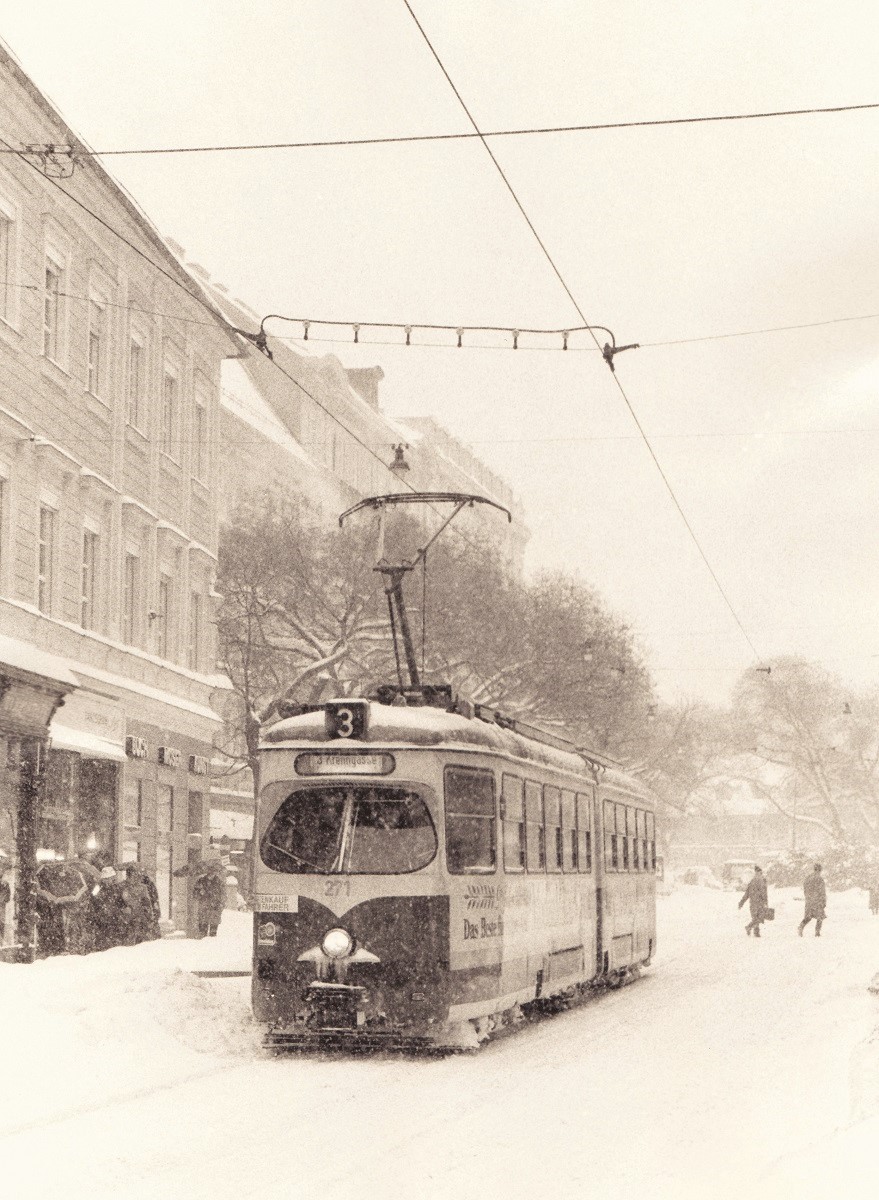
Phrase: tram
(426, 869)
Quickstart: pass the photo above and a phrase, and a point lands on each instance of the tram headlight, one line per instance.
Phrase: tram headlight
(337, 943)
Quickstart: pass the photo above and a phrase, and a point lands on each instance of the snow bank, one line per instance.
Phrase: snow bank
(79, 1031)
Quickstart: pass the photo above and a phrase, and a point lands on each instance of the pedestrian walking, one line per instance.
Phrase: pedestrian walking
(138, 907)
(758, 899)
(873, 893)
(109, 911)
(815, 894)
(209, 893)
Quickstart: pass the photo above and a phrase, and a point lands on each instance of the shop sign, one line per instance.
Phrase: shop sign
(136, 747)
(169, 756)
(198, 764)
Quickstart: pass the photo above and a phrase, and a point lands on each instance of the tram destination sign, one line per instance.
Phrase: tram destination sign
(341, 762)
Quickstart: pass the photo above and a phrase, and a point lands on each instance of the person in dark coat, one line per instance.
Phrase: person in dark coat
(758, 899)
(109, 911)
(209, 893)
(873, 892)
(138, 906)
(815, 894)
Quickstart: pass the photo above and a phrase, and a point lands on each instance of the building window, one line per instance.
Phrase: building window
(97, 347)
(164, 617)
(3, 502)
(199, 439)
(195, 632)
(136, 380)
(7, 259)
(45, 558)
(89, 571)
(130, 582)
(170, 405)
(53, 286)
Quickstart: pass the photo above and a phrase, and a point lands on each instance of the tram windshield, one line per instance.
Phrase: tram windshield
(346, 830)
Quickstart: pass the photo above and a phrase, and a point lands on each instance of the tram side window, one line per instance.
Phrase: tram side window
(640, 857)
(513, 817)
(622, 839)
(651, 840)
(554, 848)
(470, 821)
(534, 831)
(611, 849)
(631, 825)
(584, 831)
(570, 845)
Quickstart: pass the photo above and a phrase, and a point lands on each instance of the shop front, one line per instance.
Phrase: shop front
(33, 685)
(165, 805)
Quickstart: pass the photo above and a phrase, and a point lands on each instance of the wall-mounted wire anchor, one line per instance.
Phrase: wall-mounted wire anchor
(460, 333)
(565, 336)
(305, 325)
(515, 339)
(356, 329)
(608, 352)
(408, 329)
(258, 339)
(56, 162)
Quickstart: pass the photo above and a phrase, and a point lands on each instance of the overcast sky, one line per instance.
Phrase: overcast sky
(769, 441)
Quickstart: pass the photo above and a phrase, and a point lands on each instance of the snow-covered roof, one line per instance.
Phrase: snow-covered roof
(400, 728)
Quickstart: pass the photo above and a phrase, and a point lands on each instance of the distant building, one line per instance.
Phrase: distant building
(110, 358)
(304, 423)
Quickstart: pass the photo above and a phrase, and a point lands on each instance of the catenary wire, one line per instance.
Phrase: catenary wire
(332, 341)
(219, 318)
(569, 293)
(526, 131)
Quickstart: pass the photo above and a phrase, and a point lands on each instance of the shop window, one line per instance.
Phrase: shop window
(471, 823)
(513, 818)
(535, 834)
(164, 808)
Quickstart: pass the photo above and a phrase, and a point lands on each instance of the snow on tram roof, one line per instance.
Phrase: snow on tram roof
(436, 728)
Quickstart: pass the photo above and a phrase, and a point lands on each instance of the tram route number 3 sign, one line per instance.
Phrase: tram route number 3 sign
(347, 719)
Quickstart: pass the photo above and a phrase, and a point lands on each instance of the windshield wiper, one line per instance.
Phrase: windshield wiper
(305, 862)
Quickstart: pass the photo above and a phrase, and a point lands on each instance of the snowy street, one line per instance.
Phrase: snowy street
(733, 1064)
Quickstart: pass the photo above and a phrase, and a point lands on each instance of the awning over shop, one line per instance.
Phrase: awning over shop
(89, 745)
(24, 657)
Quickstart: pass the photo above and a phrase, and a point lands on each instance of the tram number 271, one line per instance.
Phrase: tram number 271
(347, 719)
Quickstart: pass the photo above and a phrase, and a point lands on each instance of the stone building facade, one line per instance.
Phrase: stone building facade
(110, 362)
